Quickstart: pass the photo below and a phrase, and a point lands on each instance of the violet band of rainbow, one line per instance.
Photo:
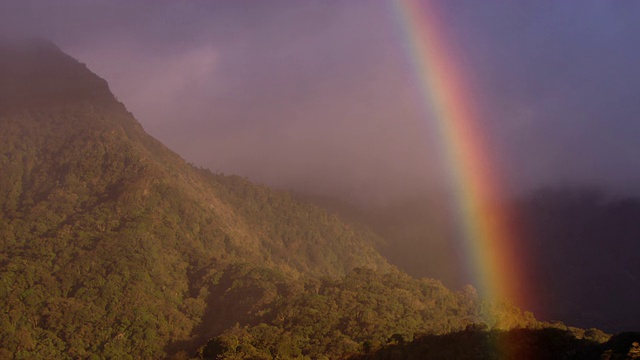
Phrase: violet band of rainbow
(489, 241)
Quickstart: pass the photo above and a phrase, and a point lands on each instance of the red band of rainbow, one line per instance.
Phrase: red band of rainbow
(489, 243)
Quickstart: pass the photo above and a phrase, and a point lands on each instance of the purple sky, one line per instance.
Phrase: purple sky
(321, 95)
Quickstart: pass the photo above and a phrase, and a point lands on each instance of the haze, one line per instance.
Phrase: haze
(321, 96)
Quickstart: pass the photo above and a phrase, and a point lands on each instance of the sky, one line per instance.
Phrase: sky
(321, 96)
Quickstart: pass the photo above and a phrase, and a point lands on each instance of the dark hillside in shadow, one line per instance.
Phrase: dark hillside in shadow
(521, 344)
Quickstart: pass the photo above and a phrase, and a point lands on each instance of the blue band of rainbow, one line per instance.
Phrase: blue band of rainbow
(489, 242)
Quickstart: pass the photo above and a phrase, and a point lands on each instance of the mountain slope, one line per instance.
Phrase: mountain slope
(113, 246)
(581, 243)
(585, 246)
(96, 213)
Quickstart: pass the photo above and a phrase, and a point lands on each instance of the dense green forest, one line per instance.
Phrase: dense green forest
(361, 312)
(112, 246)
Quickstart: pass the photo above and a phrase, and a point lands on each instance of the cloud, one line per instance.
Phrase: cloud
(155, 88)
(323, 93)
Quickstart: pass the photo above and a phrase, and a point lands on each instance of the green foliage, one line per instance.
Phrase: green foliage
(336, 318)
(110, 244)
(113, 247)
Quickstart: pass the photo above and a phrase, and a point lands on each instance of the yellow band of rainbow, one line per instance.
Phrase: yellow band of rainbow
(488, 240)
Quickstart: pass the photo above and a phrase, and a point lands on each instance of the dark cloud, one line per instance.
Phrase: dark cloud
(322, 94)
(556, 82)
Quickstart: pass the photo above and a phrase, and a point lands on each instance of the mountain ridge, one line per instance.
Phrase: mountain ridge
(113, 246)
(92, 205)
(61, 79)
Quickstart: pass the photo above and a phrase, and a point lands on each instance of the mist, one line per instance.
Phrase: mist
(322, 98)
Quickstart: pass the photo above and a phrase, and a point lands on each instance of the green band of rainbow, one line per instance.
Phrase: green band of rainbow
(489, 244)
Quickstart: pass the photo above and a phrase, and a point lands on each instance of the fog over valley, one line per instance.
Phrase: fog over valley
(325, 98)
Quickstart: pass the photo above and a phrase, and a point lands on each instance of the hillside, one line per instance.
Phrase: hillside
(112, 246)
(522, 344)
(590, 285)
(586, 286)
(419, 234)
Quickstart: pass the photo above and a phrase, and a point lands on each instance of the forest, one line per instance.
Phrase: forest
(113, 247)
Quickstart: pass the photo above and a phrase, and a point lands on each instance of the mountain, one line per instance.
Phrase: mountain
(585, 251)
(112, 246)
(580, 243)
(476, 343)
(420, 234)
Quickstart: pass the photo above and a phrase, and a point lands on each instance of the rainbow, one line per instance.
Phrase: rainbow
(488, 241)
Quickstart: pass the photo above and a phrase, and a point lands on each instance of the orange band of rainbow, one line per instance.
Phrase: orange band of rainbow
(489, 243)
